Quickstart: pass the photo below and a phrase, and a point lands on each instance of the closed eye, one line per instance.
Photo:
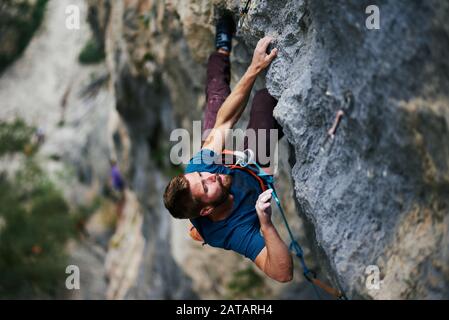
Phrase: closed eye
(202, 182)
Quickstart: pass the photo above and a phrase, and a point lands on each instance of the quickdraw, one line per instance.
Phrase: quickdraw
(243, 14)
(344, 111)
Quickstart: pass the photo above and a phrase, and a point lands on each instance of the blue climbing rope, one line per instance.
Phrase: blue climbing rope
(294, 245)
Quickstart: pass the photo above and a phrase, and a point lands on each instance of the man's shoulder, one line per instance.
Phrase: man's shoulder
(206, 161)
(204, 157)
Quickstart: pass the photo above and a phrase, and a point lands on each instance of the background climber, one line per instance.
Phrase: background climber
(118, 186)
(227, 206)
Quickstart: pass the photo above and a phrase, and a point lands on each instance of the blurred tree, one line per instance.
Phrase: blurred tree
(246, 284)
(19, 20)
(35, 224)
(92, 53)
(14, 136)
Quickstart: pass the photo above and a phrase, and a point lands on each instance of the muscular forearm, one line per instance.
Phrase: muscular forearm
(235, 103)
(279, 264)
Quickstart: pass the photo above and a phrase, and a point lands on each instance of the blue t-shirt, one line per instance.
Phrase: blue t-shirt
(240, 231)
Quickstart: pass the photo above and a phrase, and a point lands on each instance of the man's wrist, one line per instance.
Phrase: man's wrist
(253, 70)
(266, 227)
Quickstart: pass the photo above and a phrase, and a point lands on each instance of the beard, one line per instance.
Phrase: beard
(225, 182)
(225, 185)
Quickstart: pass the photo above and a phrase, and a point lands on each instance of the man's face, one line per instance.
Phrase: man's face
(209, 188)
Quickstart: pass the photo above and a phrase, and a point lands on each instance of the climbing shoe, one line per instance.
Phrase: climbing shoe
(224, 31)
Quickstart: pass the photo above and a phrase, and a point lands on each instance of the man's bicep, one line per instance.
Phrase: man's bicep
(261, 259)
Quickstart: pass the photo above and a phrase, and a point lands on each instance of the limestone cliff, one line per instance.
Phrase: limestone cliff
(378, 194)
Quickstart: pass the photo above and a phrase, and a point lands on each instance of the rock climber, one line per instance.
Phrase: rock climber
(227, 206)
(118, 185)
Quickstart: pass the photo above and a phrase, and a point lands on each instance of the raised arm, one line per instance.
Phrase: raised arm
(231, 110)
(275, 259)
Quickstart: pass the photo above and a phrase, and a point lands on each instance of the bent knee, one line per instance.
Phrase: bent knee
(263, 101)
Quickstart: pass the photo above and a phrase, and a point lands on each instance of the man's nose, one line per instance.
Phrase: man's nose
(212, 178)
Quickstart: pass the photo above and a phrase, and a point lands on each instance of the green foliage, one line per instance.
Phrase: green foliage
(14, 136)
(149, 57)
(34, 226)
(92, 53)
(145, 19)
(246, 284)
(24, 26)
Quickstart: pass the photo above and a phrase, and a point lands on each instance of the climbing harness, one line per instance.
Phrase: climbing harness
(246, 161)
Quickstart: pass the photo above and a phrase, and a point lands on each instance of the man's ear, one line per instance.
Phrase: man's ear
(206, 211)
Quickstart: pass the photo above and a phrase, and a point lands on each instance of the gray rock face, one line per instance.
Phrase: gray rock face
(49, 90)
(377, 194)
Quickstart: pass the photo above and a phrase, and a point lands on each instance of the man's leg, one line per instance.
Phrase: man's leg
(217, 87)
(218, 70)
(261, 117)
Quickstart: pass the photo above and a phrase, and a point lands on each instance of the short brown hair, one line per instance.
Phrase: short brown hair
(178, 199)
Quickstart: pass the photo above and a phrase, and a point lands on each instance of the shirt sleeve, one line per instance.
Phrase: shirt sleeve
(247, 240)
(206, 161)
